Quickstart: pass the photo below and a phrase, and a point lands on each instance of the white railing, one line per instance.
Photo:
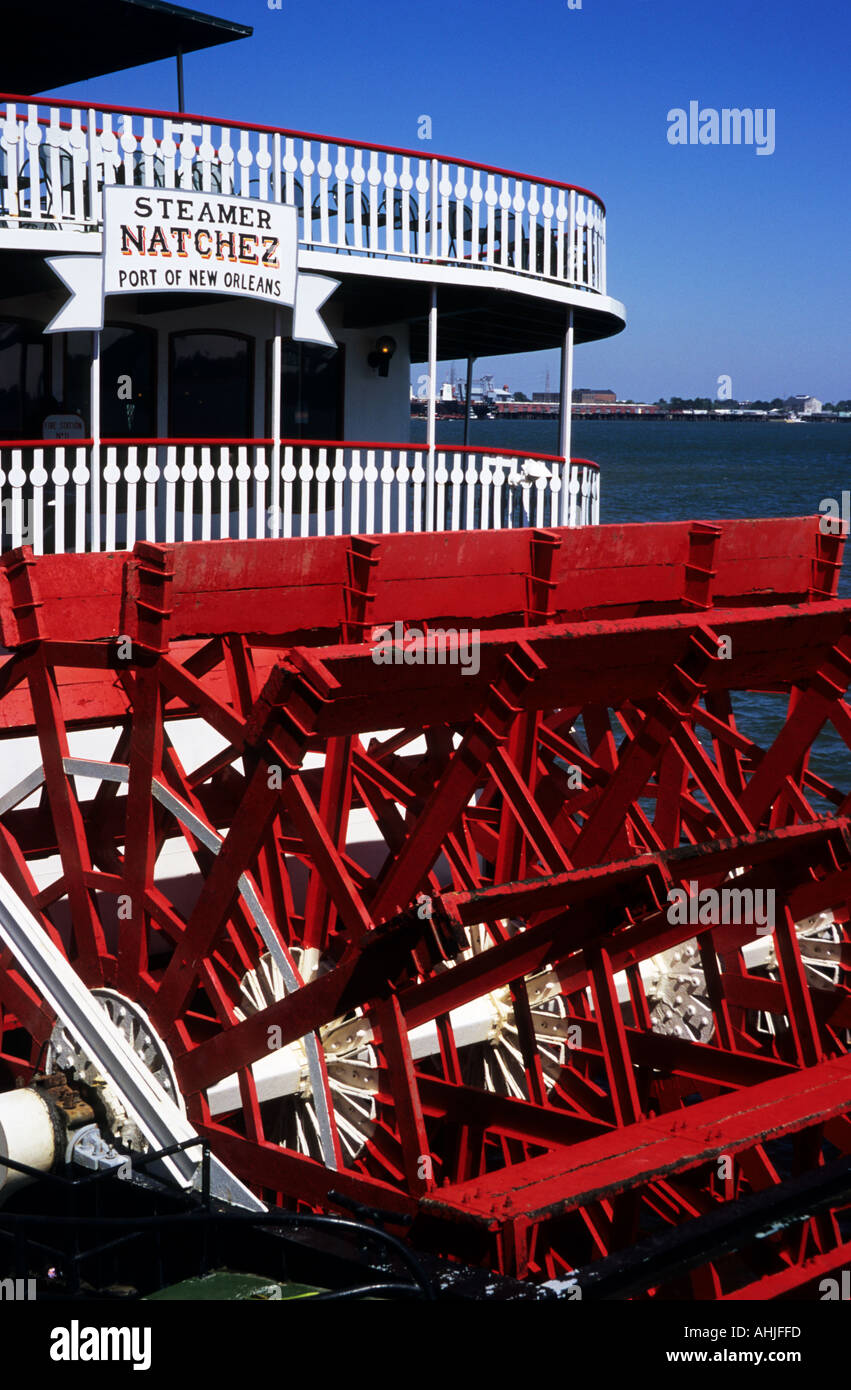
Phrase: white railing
(78, 496)
(352, 198)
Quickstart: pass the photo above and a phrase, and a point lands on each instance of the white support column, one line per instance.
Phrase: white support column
(57, 370)
(275, 501)
(565, 414)
(94, 471)
(432, 409)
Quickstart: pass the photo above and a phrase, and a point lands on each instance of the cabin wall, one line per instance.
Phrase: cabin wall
(377, 407)
(372, 407)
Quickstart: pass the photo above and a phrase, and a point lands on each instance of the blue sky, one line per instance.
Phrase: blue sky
(728, 261)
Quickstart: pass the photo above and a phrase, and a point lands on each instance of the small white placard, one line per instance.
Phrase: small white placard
(62, 427)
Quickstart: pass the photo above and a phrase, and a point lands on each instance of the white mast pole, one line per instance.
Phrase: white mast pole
(467, 395)
(565, 413)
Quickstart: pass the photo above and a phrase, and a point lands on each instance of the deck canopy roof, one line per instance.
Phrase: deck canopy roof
(58, 43)
(474, 320)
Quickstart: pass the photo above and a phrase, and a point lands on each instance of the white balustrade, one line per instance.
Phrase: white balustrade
(56, 157)
(59, 497)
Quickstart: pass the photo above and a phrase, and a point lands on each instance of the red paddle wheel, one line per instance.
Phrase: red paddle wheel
(537, 946)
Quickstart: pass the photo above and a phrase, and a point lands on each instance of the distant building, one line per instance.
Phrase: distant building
(547, 397)
(802, 405)
(586, 396)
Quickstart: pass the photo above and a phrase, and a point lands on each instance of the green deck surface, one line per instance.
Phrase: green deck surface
(225, 1286)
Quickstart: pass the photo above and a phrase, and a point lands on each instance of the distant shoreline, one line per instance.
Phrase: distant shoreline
(684, 417)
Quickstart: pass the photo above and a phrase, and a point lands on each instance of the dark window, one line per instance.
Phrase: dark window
(211, 386)
(128, 408)
(311, 391)
(77, 376)
(25, 397)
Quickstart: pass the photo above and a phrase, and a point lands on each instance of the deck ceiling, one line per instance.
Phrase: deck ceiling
(57, 43)
(474, 321)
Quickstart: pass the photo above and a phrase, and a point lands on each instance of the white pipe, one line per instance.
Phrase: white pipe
(26, 1135)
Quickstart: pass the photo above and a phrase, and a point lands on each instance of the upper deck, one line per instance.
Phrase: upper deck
(235, 424)
(362, 209)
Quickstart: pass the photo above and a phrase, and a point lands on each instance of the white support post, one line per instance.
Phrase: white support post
(432, 408)
(94, 471)
(275, 501)
(565, 414)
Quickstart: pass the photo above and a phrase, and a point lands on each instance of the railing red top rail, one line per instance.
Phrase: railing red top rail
(298, 135)
(44, 443)
(302, 443)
